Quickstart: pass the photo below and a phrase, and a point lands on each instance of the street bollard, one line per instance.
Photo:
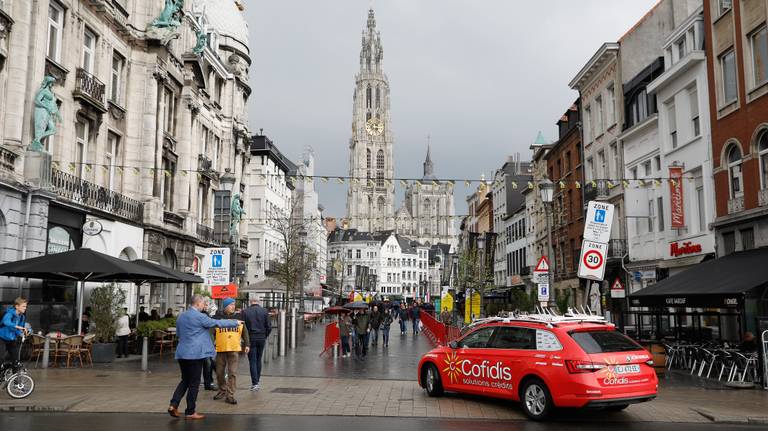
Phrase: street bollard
(282, 333)
(46, 351)
(144, 354)
(293, 328)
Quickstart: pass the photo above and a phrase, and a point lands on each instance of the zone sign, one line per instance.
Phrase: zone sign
(592, 261)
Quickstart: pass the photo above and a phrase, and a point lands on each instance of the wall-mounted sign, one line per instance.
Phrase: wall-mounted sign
(617, 289)
(92, 228)
(227, 291)
(648, 274)
(677, 249)
(676, 202)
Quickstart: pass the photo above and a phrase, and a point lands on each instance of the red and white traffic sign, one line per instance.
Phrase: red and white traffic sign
(543, 265)
(617, 289)
(592, 261)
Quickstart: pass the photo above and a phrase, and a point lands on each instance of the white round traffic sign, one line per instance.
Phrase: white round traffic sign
(593, 259)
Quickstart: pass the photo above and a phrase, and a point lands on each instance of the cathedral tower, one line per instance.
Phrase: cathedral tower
(370, 198)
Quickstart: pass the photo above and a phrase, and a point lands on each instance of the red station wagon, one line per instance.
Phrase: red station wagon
(545, 362)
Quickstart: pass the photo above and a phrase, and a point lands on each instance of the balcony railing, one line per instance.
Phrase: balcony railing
(205, 233)
(762, 197)
(95, 196)
(617, 248)
(173, 219)
(7, 159)
(736, 205)
(89, 87)
(596, 191)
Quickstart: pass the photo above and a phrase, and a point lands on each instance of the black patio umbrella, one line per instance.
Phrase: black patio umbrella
(356, 305)
(82, 265)
(173, 277)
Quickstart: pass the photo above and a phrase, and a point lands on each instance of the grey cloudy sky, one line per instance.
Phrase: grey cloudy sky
(482, 77)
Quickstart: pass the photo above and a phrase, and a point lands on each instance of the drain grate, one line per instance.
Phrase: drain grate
(102, 375)
(293, 391)
(405, 399)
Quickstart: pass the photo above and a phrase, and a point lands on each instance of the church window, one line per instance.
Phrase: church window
(380, 168)
(368, 97)
(378, 97)
(381, 205)
(367, 116)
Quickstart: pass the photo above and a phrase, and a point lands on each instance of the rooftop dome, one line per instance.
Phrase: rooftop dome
(226, 18)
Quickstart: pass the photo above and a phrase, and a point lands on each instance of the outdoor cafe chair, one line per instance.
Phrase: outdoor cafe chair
(38, 348)
(87, 348)
(163, 341)
(69, 347)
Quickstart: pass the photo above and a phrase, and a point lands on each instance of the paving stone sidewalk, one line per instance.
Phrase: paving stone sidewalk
(94, 390)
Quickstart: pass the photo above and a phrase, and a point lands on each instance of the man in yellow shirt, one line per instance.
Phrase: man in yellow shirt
(229, 344)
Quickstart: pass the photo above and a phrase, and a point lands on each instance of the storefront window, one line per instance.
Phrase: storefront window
(59, 240)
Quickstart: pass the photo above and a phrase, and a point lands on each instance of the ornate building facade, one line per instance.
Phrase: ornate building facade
(427, 213)
(131, 114)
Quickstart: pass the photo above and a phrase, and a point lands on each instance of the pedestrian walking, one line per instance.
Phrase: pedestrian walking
(344, 333)
(386, 323)
(402, 316)
(376, 318)
(229, 344)
(122, 331)
(12, 326)
(413, 314)
(257, 323)
(362, 323)
(208, 363)
(192, 330)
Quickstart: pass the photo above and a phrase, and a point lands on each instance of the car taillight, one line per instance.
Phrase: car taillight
(575, 367)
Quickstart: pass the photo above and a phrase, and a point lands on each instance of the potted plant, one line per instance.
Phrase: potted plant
(106, 302)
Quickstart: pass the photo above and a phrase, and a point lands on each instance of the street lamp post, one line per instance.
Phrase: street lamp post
(303, 241)
(480, 273)
(547, 191)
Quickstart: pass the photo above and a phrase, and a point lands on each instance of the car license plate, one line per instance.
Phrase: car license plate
(627, 369)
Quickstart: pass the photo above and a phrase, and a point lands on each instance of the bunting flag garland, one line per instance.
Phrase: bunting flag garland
(340, 180)
(593, 183)
(467, 183)
(577, 184)
(656, 183)
(530, 185)
(625, 183)
(324, 179)
(562, 185)
(641, 182)
(514, 185)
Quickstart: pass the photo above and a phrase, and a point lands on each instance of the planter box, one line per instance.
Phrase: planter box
(104, 352)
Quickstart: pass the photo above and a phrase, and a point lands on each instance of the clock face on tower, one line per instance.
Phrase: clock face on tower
(374, 127)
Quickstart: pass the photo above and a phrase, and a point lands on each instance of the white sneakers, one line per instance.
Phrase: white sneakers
(255, 388)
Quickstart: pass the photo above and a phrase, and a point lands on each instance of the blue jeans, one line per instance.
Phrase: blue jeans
(254, 359)
(415, 326)
(344, 344)
(385, 335)
(374, 336)
(402, 326)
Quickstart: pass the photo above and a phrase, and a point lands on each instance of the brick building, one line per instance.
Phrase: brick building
(564, 166)
(736, 44)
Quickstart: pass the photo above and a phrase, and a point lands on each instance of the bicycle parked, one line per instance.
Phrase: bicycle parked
(15, 377)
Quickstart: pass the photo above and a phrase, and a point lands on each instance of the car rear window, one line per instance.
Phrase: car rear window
(604, 341)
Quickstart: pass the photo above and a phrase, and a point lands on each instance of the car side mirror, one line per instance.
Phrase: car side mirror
(453, 344)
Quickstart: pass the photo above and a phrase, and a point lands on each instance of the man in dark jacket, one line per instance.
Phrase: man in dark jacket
(413, 313)
(402, 316)
(362, 323)
(257, 323)
(376, 319)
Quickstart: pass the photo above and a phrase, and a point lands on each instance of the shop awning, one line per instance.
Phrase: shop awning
(717, 283)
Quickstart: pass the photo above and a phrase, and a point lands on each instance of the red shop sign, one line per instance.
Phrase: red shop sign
(677, 250)
(677, 204)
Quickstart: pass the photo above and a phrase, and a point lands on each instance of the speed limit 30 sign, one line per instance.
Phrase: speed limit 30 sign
(592, 261)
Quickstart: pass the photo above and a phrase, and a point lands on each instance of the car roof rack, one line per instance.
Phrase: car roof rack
(546, 316)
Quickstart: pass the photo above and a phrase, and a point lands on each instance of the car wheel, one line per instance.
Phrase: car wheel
(617, 408)
(432, 382)
(537, 402)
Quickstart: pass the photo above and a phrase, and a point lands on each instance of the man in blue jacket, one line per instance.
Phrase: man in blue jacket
(193, 331)
(11, 327)
(257, 323)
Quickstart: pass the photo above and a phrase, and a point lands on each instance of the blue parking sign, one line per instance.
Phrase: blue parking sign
(216, 261)
(599, 216)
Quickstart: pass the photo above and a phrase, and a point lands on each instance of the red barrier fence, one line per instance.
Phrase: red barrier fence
(332, 337)
(438, 332)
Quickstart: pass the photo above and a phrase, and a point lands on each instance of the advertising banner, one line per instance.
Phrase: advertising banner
(676, 202)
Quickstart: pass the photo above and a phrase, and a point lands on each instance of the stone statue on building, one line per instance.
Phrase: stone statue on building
(202, 41)
(46, 114)
(236, 213)
(169, 16)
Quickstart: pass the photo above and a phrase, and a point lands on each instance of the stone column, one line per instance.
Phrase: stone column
(18, 73)
(159, 176)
